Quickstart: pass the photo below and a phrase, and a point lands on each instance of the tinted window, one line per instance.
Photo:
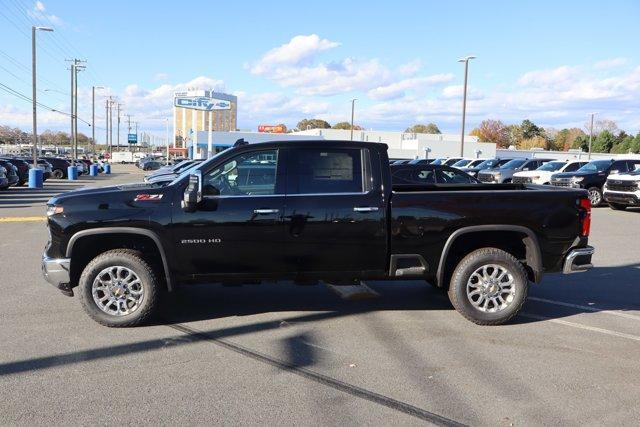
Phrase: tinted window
(461, 163)
(513, 164)
(247, 174)
(329, 170)
(453, 177)
(488, 164)
(595, 166)
(572, 167)
(634, 165)
(551, 166)
(619, 166)
(414, 176)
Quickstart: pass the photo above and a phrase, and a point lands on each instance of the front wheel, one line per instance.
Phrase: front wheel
(595, 196)
(617, 207)
(118, 288)
(58, 174)
(489, 286)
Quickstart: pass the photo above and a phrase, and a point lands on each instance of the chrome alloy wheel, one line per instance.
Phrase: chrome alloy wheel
(117, 291)
(491, 288)
(595, 197)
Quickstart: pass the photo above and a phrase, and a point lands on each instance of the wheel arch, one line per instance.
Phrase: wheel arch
(105, 231)
(529, 242)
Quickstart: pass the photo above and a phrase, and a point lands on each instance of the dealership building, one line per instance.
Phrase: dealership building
(199, 113)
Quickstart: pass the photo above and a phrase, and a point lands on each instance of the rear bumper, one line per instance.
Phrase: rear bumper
(56, 272)
(578, 260)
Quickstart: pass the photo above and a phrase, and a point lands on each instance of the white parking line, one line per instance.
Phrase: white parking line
(586, 308)
(580, 326)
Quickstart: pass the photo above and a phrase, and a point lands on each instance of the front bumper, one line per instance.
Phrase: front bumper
(628, 199)
(56, 272)
(578, 260)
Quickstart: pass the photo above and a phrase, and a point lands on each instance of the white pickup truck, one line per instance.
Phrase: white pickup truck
(623, 189)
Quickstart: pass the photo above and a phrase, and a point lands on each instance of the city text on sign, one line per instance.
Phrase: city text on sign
(201, 103)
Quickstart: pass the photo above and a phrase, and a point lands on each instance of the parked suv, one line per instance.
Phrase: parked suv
(504, 173)
(22, 169)
(4, 182)
(485, 165)
(12, 172)
(592, 177)
(623, 189)
(59, 166)
(542, 175)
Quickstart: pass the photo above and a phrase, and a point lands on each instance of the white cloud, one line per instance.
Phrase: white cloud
(39, 6)
(410, 68)
(553, 77)
(297, 51)
(399, 89)
(39, 13)
(610, 63)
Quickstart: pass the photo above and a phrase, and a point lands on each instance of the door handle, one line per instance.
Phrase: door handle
(365, 209)
(265, 211)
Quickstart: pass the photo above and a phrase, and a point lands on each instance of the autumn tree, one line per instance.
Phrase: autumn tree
(346, 126)
(420, 128)
(305, 124)
(492, 131)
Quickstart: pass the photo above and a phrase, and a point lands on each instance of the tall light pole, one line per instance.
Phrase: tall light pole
(93, 114)
(167, 122)
(464, 100)
(353, 106)
(33, 83)
(590, 134)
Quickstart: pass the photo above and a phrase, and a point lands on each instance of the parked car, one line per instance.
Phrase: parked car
(504, 173)
(151, 165)
(592, 177)
(59, 167)
(420, 162)
(11, 172)
(303, 211)
(542, 175)
(622, 190)
(467, 163)
(43, 165)
(429, 174)
(4, 181)
(401, 162)
(448, 161)
(22, 169)
(171, 173)
(484, 165)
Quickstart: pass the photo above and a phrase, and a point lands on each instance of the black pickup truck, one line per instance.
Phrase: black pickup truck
(311, 211)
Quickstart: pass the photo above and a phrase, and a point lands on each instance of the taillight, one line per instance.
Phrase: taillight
(585, 205)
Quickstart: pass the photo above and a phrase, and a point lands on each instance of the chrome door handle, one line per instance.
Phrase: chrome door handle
(365, 209)
(265, 211)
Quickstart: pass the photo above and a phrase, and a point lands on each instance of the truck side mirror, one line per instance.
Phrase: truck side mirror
(193, 193)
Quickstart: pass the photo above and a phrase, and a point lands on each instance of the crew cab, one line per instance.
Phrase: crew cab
(622, 190)
(310, 211)
(592, 177)
(542, 175)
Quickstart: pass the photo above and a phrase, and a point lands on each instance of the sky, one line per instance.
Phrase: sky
(552, 62)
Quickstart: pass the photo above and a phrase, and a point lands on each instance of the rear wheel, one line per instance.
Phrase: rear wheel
(118, 288)
(595, 196)
(489, 286)
(58, 174)
(617, 207)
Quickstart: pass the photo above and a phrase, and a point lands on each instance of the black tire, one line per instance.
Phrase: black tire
(617, 207)
(57, 174)
(20, 183)
(595, 196)
(462, 275)
(149, 283)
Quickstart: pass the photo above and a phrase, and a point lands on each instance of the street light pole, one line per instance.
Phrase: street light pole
(590, 134)
(464, 100)
(33, 87)
(167, 122)
(353, 105)
(93, 115)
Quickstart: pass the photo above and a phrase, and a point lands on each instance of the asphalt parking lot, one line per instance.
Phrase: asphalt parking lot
(291, 355)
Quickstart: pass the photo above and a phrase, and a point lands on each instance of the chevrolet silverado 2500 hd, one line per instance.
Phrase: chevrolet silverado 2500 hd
(309, 211)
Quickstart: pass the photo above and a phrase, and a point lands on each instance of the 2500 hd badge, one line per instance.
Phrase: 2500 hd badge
(198, 241)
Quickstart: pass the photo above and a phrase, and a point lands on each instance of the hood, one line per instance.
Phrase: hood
(85, 192)
(631, 176)
(572, 174)
(532, 173)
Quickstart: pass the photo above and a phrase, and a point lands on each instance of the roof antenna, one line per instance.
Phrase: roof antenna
(240, 143)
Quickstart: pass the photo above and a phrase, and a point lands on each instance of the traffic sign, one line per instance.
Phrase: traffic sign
(132, 138)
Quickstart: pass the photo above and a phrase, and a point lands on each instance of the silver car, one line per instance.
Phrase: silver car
(504, 173)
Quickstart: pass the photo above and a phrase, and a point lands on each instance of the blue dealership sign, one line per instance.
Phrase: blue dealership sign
(132, 138)
(201, 103)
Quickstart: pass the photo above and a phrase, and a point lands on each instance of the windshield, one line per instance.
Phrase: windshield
(461, 163)
(595, 166)
(513, 164)
(474, 163)
(551, 166)
(487, 164)
(438, 161)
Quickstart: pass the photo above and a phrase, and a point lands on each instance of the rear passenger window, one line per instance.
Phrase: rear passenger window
(572, 167)
(330, 170)
(634, 165)
(619, 166)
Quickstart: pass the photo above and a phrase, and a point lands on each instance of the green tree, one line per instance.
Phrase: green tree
(603, 142)
(530, 130)
(305, 124)
(420, 128)
(581, 142)
(346, 126)
(634, 146)
(623, 146)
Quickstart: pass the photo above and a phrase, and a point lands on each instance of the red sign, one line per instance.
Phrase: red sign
(107, 156)
(272, 128)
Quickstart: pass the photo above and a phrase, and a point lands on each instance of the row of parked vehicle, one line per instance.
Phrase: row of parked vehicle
(14, 170)
(612, 181)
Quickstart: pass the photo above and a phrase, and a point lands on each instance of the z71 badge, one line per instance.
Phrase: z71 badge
(148, 198)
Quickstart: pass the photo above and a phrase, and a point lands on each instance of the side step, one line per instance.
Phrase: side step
(408, 265)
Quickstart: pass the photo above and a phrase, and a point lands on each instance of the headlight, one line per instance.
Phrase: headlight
(577, 179)
(54, 210)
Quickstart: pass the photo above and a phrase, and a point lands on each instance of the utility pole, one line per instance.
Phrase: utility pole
(73, 76)
(167, 123)
(464, 100)
(106, 124)
(353, 105)
(590, 134)
(110, 126)
(76, 65)
(93, 115)
(118, 134)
